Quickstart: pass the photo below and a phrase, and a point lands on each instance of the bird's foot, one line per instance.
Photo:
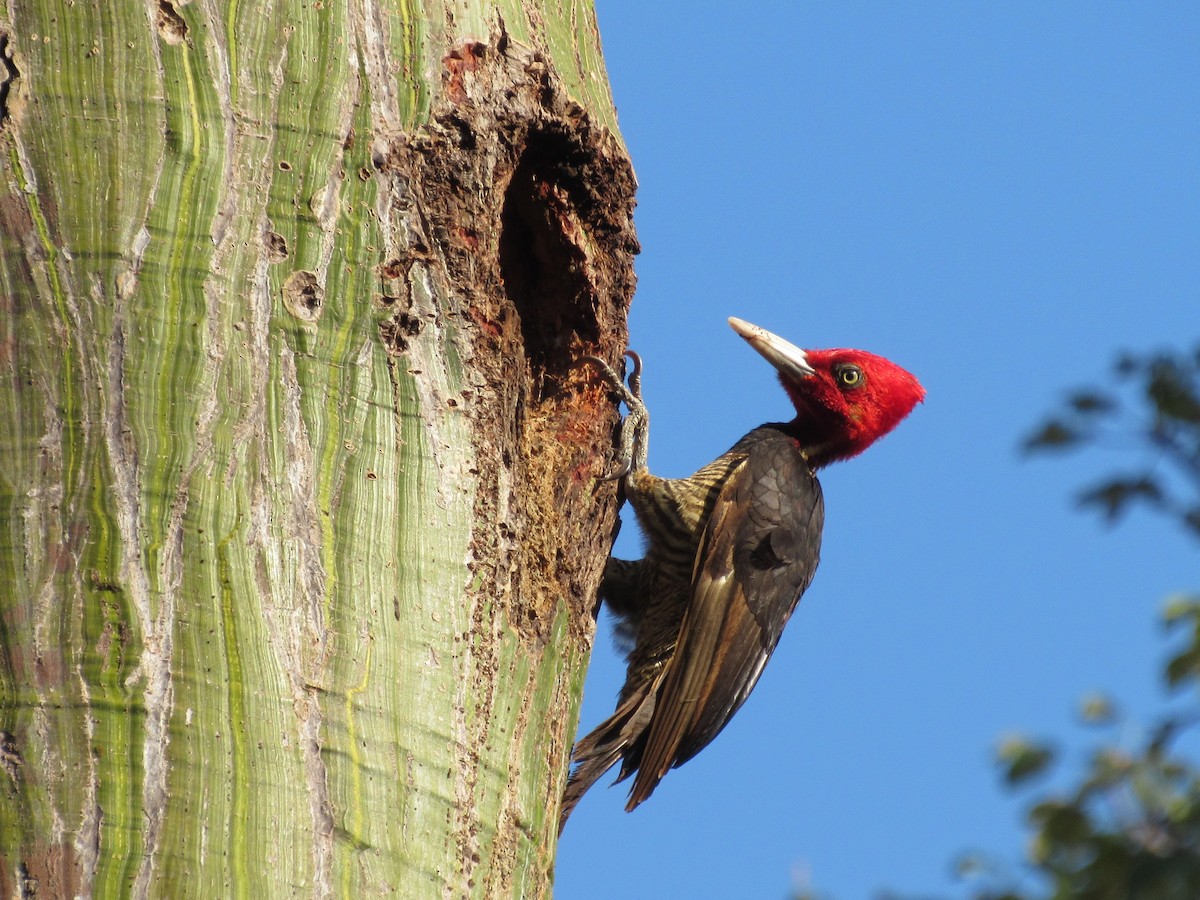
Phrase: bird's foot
(632, 450)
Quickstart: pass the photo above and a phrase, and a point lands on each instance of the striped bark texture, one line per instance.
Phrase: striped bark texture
(299, 525)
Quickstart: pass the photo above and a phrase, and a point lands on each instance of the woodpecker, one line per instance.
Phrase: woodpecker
(730, 550)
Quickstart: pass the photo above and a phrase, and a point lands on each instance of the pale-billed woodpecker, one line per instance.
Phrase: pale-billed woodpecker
(729, 552)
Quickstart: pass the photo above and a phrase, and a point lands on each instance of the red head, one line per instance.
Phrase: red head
(845, 399)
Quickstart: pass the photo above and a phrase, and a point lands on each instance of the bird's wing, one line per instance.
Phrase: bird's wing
(756, 557)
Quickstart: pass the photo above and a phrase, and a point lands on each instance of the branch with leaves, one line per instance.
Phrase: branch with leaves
(1154, 407)
(1130, 827)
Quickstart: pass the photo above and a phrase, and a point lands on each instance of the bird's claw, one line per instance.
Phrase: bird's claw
(617, 381)
(618, 473)
(634, 426)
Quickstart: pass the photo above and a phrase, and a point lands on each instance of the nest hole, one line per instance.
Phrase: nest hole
(543, 266)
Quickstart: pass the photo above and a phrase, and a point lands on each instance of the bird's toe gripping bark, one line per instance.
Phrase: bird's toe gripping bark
(634, 427)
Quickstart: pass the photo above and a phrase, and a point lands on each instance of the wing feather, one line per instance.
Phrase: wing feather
(756, 557)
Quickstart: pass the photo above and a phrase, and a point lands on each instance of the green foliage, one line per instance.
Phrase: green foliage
(1155, 403)
(1130, 825)
(1183, 614)
(1022, 759)
(1096, 709)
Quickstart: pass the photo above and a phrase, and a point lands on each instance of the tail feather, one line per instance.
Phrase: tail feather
(617, 737)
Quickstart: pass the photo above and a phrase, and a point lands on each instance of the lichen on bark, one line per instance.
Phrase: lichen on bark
(515, 216)
(299, 528)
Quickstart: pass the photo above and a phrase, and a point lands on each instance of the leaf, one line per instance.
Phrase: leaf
(1054, 435)
(1127, 364)
(1097, 709)
(1179, 608)
(1183, 667)
(1109, 767)
(1192, 519)
(969, 864)
(1062, 825)
(1021, 759)
(1162, 735)
(1113, 496)
(1091, 402)
(1172, 391)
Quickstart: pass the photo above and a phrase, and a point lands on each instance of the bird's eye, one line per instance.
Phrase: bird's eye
(850, 376)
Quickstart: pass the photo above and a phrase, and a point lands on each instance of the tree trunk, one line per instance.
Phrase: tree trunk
(299, 522)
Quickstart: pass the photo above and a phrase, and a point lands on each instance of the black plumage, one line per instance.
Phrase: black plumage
(730, 551)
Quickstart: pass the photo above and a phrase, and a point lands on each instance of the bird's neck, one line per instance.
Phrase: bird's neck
(811, 439)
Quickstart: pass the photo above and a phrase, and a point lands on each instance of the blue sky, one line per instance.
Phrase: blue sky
(998, 197)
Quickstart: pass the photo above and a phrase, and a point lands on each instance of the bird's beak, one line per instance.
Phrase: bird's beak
(789, 359)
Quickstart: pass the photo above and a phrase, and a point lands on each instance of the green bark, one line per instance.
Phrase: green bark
(258, 635)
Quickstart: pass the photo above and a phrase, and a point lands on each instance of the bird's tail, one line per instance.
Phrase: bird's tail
(619, 736)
